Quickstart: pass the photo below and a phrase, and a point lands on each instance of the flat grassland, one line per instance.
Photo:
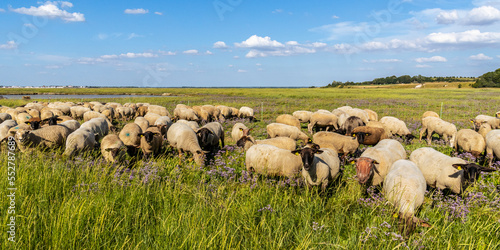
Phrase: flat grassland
(84, 203)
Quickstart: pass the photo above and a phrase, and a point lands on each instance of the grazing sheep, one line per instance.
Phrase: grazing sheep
(4, 117)
(98, 126)
(79, 141)
(341, 117)
(151, 118)
(484, 129)
(363, 115)
(320, 166)
(210, 135)
(130, 136)
(302, 115)
(192, 124)
(157, 109)
(202, 114)
(109, 113)
(212, 111)
(163, 123)
(278, 129)
(47, 137)
(124, 113)
(372, 166)
(351, 123)
(142, 122)
(372, 115)
(322, 120)
(404, 188)
(340, 143)
(372, 135)
(239, 130)
(89, 115)
(150, 143)
(141, 111)
(78, 111)
(71, 125)
(288, 120)
(246, 112)
(394, 126)
(185, 114)
(430, 114)
(445, 129)
(182, 137)
(112, 148)
(493, 121)
(471, 141)
(246, 142)
(272, 161)
(225, 112)
(493, 145)
(234, 111)
(443, 171)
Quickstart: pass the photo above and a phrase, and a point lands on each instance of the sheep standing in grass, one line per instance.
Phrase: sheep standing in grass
(404, 188)
(246, 142)
(372, 166)
(99, 126)
(130, 136)
(239, 130)
(142, 122)
(246, 112)
(278, 129)
(323, 120)
(430, 114)
(394, 126)
(157, 109)
(192, 124)
(340, 143)
(445, 129)
(78, 111)
(320, 166)
(185, 114)
(79, 141)
(151, 118)
(163, 123)
(210, 135)
(112, 148)
(272, 161)
(151, 143)
(471, 141)
(372, 135)
(183, 138)
(493, 145)
(351, 123)
(288, 120)
(493, 121)
(302, 115)
(372, 115)
(47, 137)
(442, 171)
(484, 129)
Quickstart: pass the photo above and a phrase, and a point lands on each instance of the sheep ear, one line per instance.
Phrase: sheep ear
(28, 123)
(459, 166)
(353, 134)
(471, 120)
(375, 162)
(296, 152)
(156, 133)
(486, 169)
(483, 122)
(319, 152)
(59, 119)
(241, 129)
(141, 134)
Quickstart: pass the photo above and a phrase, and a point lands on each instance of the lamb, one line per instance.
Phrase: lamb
(372, 135)
(246, 112)
(373, 165)
(430, 114)
(47, 137)
(192, 124)
(351, 123)
(239, 130)
(182, 137)
(278, 129)
(372, 115)
(185, 114)
(340, 143)
(404, 188)
(445, 129)
(246, 142)
(209, 136)
(130, 136)
(493, 121)
(272, 161)
(150, 143)
(320, 166)
(471, 141)
(288, 120)
(142, 122)
(443, 171)
(98, 126)
(493, 145)
(302, 115)
(111, 148)
(322, 120)
(79, 141)
(394, 126)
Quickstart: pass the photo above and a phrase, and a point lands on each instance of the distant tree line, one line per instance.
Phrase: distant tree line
(488, 80)
(404, 79)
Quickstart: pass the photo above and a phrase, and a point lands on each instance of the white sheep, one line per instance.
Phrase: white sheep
(46, 137)
(157, 109)
(320, 166)
(246, 142)
(112, 148)
(340, 143)
(192, 124)
(5, 126)
(404, 188)
(79, 141)
(493, 145)
(246, 112)
(78, 111)
(445, 129)
(98, 126)
(239, 130)
(374, 163)
(443, 171)
(272, 161)
(184, 139)
(302, 115)
(372, 115)
(71, 125)
(322, 120)
(185, 114)
(394, 126)
(142, 122)
(430, 114)
(130, 136)
(484, 129)
(471, 141)
(278, 129)
(288, 120)
(493, 121)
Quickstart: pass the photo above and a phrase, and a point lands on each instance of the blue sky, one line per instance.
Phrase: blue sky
(243, 43)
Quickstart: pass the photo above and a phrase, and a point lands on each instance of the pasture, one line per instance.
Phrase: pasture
(85, 203)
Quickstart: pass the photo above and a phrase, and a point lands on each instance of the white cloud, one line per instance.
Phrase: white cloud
(208, 52)
(277, 11)
(483, 15)
(236, 57)
(220, 45)
(2, 10)
(53, 67)
(259, 42)
(241, 71)
(136, 11)
(447, 17)
(133, 35)
(422, 66)
(480, 57)
(335, 17)
(258, 64)
(159, 13)
(167, 53)
(51, 10)
(382, 61)
(130, 55)
(431, 59)
(191, 52)
(230, 65)
(469, 36)
(9, 45)
(265, 46)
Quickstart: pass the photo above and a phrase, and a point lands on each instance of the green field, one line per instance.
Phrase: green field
(84, 203)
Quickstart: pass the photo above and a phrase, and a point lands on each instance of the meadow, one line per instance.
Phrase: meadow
(165, 203)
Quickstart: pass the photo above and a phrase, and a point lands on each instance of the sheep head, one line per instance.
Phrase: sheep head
(307, 155)
(471, 171)
(364, 169)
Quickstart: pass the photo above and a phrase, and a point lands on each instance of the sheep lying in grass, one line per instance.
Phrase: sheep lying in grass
(493, 145)
(443, 171)
(471, 141)
(302, 115)
(404, 188)
(239, 130)
(79, 141)
(272, 161)
(112, 148)
(46, 137)
(278, 129)
(320, 166)
(288, 120)
(281, 142)
(182, 137)
(372, 166)
(445, 129)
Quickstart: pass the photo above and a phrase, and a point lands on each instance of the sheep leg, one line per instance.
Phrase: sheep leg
(222, 139)
(429, 136)
(422, 131)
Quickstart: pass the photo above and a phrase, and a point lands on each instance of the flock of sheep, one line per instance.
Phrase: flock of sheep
(335, 135)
